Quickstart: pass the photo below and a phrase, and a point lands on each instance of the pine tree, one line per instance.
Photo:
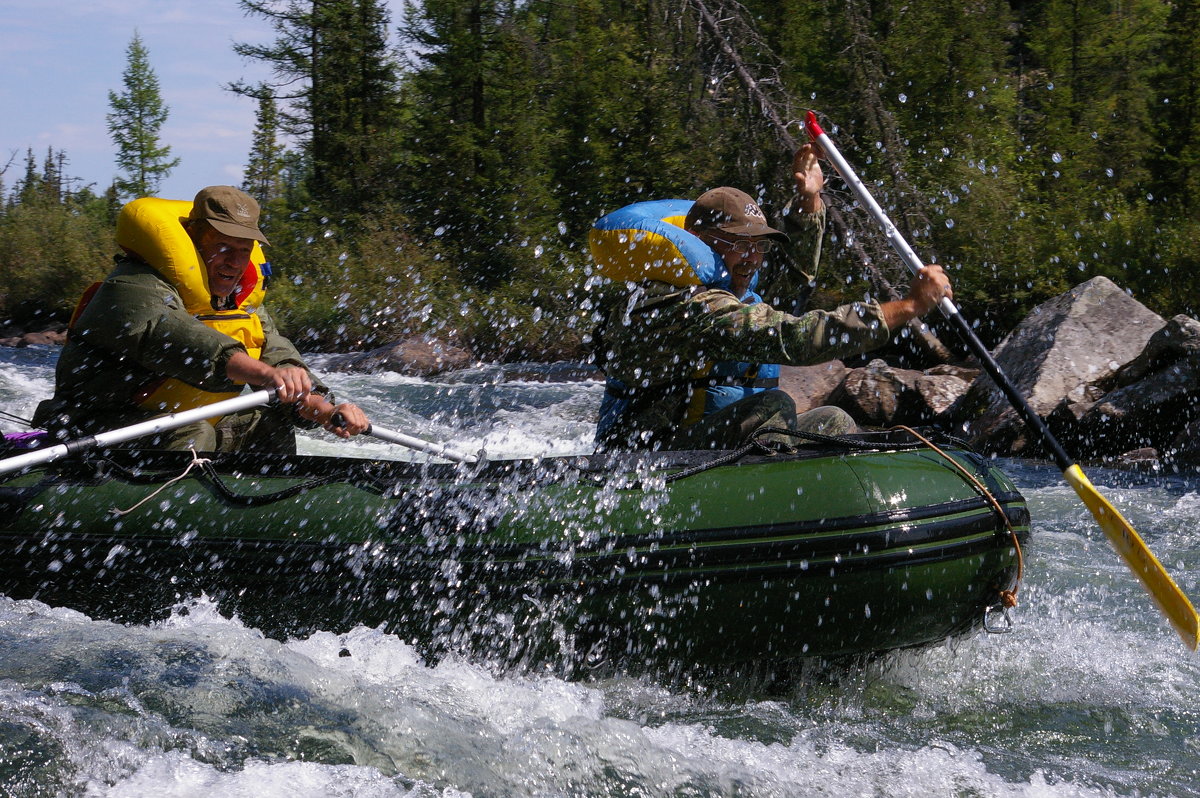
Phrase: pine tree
(264, 176)
(337, 80)
(1088, 96)
(137, 116)
(1177, 111)
(464, 151)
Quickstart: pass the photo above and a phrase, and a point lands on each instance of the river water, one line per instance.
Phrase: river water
(1090, 695)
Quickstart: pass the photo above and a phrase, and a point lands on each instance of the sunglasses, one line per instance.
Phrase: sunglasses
(745, 247)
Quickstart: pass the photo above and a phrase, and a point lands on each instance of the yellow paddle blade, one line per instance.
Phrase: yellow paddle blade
(1133, 550)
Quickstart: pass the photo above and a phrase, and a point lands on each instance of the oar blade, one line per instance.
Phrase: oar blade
(1137, 555)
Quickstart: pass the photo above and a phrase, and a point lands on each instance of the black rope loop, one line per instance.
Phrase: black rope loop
(209, 477)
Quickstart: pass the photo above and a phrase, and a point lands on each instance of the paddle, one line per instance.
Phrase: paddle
(418, 444)
(160, 424)
(182, 418)
(1166, 594)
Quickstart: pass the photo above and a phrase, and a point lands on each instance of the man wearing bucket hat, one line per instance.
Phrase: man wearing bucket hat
(178, 324)
(695, 367)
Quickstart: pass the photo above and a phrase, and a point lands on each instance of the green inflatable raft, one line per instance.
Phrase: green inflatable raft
(658, 561)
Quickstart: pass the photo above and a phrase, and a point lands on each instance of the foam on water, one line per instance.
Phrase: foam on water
(201, 705)
(26, 377)
(515, 420)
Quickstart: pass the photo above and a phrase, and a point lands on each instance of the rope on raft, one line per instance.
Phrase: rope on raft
(209, 476)
(761, 444)
(1008, 598)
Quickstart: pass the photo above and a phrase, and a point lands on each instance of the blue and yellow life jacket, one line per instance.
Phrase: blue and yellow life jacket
(151, 229)
(647, 241)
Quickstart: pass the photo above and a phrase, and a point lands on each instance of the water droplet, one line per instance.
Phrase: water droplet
(903, 98)
(1056, 157)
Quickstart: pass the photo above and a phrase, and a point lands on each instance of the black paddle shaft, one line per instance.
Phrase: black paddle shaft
(1031, 418)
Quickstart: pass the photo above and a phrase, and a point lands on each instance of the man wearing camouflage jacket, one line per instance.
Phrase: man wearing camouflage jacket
(658, 343)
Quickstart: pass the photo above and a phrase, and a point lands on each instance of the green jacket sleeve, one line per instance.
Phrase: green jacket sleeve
(727, 329)
(141, 318)
(279, 351)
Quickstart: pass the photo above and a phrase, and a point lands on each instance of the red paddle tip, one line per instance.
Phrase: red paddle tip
(812, 126)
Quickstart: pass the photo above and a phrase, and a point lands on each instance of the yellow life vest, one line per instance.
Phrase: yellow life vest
(152, 230)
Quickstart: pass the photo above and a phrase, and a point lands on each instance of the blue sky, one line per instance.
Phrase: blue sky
(59, 60)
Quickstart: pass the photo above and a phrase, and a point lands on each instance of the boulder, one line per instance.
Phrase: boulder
(1081, 337)
(1177, 339)
(939, 392)
(44, 338)
(41, 338)
(810, 386)
(967, 374)
(417, 357)
(879, 395)
(876, 394)
(1149, 413)
(1184, 449)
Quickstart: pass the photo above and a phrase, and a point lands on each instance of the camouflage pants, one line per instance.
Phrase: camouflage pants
(733, 426)
(267, 430)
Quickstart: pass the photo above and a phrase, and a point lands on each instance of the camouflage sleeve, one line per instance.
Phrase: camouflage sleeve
(727, 329)
(662, 334)
(788, 283)
(144, 320)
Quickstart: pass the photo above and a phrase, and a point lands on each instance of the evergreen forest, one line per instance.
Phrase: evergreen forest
(437, 174)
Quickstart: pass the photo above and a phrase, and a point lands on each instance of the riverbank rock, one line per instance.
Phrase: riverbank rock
(881, 395)
(1077, 339)
(41, 338)
(1155, 401)
(876, 394)
(416, 357)
(1179, 338)
(1184, 449)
